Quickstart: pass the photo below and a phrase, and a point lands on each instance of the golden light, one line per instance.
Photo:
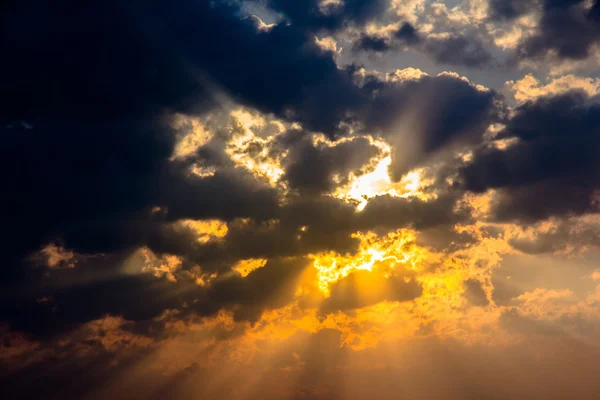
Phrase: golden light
(392, 249)
(206, 229)
(165, 266)
(57, 256)
(244, 267)
(243, 144)
(201, 171)
(377, 182)
(196, 136)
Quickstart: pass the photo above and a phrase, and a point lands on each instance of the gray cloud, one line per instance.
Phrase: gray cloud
(450, 49)
(552, 169)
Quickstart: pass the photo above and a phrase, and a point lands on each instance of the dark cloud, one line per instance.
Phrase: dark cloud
(88, 133)
(385, 212)
(87, 136)
(228, 194)
(305, 224)
(82, 79)
(406, 35)
(552, 169)
(504, 290)
(450, 49)
(445, 237)
(458, 50)
(89, 292)
(475, 294)
(317, 15)
(566, 28)
(312, 168)
(114, 284)
(63, 173)
(372, 43)
(420, 117)
(314, 224)
(268, 287)
(564, 234)
(80, 295)
(510, 9)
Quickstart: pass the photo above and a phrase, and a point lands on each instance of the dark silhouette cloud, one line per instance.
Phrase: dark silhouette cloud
(87, 124)
(385, 212)
(552, 169)
(102, 72)
(566, 28)
(312, 169)
(451, 49)
(458, 50)
(373, 43)
(87, 136)
(89, 292)
(406, 34)
(510, 9)
(475, 294)
(420, 117)
(319, 15)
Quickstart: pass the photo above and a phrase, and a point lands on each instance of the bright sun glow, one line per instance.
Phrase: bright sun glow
(364, 187)
(249, 149)
(393, 249)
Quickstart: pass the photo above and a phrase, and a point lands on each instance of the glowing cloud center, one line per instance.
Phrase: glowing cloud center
(377, 182)
(387, 252)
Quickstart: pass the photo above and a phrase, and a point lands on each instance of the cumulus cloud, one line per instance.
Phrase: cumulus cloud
(445, 48)
(191, 193)
(510, 9)
(329, 15)
(529, 88)
(567, 29)
(420, 117)
(556, 139)
(314, 168)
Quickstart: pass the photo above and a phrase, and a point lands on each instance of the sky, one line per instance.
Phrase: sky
(304, 200)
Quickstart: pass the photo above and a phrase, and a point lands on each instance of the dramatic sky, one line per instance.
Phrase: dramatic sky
(300, 199)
